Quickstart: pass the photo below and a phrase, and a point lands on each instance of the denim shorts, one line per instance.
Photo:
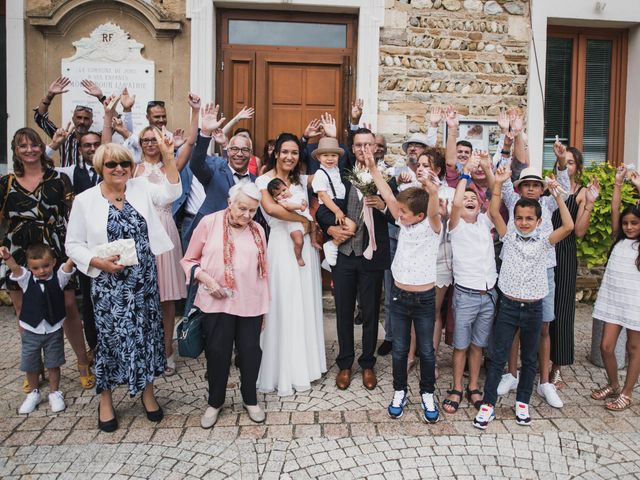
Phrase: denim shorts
(548, 314)
(52, 344)
(473, 313)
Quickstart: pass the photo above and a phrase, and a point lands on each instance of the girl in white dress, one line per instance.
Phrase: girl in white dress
(293, 338)
(618, 302)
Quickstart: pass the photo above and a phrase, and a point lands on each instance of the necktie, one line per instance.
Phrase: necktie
(49, 315)
(94, 176)
(240, 176)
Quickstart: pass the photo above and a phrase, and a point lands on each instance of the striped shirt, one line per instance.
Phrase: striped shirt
(69, 148)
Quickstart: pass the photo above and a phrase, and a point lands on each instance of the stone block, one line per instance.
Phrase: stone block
(392, 123)
(395, 19)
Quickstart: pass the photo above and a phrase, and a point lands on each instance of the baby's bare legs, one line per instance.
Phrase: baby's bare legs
(298, 243)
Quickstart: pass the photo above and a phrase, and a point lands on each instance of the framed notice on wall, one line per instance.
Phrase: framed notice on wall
(482, 134)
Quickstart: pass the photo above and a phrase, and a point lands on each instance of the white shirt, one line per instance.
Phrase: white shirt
(523, 275)
(43, 327)
(196, 197)
(548, 204)
(474, 263)
(320, 183)
(417, 253)
(69, 171)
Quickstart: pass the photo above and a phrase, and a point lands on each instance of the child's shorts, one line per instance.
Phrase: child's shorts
(51, 344)
(474, 311)
(548, 313)
(325, 217)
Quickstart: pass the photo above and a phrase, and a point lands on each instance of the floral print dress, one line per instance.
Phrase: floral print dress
(130, 346)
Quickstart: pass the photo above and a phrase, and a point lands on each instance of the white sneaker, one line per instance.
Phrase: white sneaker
(549, 392)
(330, 252)
(507, 384)
(483, 417)
(56, 402)
(522, 414)
(30, 403)
(256, 414)
(209, 417)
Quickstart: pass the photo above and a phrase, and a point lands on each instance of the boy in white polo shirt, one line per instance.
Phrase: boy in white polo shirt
(474, 294)
(523, 284)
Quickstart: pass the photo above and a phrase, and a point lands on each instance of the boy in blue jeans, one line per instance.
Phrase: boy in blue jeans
(413, 292)
(523, 284)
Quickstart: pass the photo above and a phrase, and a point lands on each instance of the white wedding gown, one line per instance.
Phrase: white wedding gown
(293, 350)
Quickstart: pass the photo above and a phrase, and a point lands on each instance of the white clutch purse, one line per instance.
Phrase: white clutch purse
(126, 248)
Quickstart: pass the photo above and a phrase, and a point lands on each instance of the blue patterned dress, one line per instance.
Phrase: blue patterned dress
(130, 346)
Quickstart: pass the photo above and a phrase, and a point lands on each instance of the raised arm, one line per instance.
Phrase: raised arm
(616, 200)
(245, 114)
(503, 174)
(520, 147)
(564, 230)
(198, 163)
(383, 188)
(109, 114)
(185, 152)
(435, 117)
(453, 123)
(16, 269)
(585, 208)
(458, 198)
(41, 114)
(431, 185)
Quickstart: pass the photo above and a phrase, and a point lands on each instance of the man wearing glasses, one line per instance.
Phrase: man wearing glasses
(82, 120)
(216, 174)
(157, 117)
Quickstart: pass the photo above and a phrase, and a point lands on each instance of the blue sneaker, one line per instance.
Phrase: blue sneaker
(484, 416)
(430, 407)
(396, 408)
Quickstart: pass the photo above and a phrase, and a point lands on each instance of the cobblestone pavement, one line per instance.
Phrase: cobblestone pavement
(320, 433)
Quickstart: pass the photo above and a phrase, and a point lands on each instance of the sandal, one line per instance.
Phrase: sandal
(25, 382)
(478, 403)
(605, 392)
(447, 402)
(619, 404)
(557, 380)
(89, 380)
(171, 366)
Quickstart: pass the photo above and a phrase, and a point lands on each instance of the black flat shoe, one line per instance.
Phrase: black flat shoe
(154, 416)
(108, 426)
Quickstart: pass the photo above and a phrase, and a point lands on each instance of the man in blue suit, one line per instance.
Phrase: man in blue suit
(216, 174)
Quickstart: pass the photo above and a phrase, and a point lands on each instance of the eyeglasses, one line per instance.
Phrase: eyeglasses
(123, 164)
(148, 141)
(415, 145)
(25, 146)
(155, 103)
(235, 150)
(89, 145)
(80, 108)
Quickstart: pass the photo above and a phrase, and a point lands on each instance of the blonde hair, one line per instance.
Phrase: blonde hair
(107, 152)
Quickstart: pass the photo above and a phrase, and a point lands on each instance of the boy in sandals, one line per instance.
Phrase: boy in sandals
(474, 294)
(523, 285)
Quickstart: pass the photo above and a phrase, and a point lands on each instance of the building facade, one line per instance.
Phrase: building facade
(571, 65)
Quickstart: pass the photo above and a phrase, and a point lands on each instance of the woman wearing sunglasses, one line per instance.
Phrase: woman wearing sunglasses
(126, 300)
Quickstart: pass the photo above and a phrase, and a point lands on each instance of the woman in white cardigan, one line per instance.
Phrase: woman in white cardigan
(126, 300)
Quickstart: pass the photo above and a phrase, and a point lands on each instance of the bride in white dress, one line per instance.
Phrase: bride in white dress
(293, 339)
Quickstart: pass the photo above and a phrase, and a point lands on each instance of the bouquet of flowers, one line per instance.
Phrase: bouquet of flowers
(360, 178)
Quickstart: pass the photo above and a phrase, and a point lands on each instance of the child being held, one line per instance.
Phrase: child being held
(41, 318)
(293, 203)
(331, 192)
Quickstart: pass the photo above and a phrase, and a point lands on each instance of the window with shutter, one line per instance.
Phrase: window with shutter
(585, 92)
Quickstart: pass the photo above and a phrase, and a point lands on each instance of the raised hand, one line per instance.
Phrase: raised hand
(369, 161)
(356, 111)
(165, 143)
(210, 120)
(485, 160)
(559, 149)
(328, 125)
(59, 136)
(219, 137)
(452, 117)
(503, 122)
(621, 172)
(110, 104)
(503, 174)
(118, 125)
(178, 137)
(474, 161)
(593, 190)
(59, 85)
(246, 113)
(91, 88)
(634, 177)
(313, 129)
(554, 187)
(5, 253)
(127, 101)
(194, 101)
(516, 121)
(404, 177)
(436, 115)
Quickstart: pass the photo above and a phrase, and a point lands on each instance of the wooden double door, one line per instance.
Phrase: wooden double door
(288, 86)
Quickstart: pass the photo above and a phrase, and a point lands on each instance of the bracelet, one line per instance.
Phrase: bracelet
(505, 152)
(102, 98)
(304, 139)
(465, 176)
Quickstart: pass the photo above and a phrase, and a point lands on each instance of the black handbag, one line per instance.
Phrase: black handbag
(190, 340)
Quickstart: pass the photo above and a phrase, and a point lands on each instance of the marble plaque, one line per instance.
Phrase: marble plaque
(113, 61)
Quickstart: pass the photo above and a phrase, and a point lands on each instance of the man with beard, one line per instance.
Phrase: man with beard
(82, 119)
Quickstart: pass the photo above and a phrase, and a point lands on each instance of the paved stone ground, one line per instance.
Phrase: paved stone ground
(321, 433)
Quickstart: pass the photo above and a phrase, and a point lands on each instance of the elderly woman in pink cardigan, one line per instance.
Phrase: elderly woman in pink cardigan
(233, 295)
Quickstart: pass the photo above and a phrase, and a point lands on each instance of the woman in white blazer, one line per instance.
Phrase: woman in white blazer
(126, 300)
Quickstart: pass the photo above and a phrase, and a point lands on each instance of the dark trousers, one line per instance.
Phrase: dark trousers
(350, 279)
(220, 331)
(88, 319)
(419, 308)
(514, 315)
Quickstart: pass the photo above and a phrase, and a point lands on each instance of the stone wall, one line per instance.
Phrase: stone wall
(472, 54)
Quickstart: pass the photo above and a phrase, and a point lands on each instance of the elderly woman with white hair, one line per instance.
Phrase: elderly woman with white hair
(229, 250)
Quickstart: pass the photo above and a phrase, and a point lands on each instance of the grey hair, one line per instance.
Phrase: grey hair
(247, 188)
(232, 140)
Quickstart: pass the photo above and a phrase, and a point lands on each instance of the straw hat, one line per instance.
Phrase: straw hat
(327, 145)
(415, 138)
(530, 174)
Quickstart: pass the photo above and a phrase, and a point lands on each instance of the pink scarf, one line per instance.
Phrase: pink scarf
(367, 211)
(229, 250)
